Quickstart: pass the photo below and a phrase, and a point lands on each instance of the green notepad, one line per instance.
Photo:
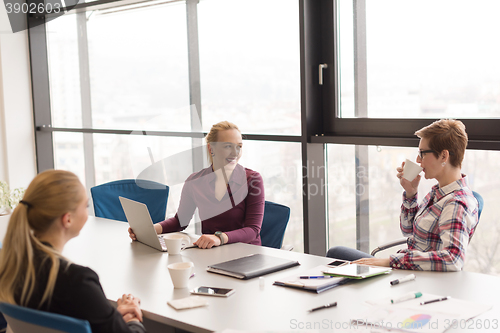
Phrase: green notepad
(356, 271)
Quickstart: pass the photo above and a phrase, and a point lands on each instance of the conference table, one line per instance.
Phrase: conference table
(125, 266)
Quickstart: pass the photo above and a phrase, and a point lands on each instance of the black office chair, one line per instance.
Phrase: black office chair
(401, 241)
(275, 220)
(106, 203)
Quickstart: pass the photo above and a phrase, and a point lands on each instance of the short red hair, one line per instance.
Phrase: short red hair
(446, 134)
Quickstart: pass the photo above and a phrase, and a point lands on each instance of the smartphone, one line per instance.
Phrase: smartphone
(212, 291)
(338, 263)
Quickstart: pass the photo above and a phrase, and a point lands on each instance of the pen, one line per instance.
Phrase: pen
(192, 275)
(436, 300)
(317, 277)
(406, 297)
(326, 306)
(405, 279)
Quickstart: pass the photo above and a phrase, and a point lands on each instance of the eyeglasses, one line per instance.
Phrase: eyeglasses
(421, 153)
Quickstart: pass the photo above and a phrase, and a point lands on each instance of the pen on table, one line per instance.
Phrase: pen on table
(405, 279)
(436, 300)
(317, 277)
(192, 275)
(326, 306)
(406, 297)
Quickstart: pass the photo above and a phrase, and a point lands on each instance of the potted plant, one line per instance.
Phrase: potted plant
(9, 199)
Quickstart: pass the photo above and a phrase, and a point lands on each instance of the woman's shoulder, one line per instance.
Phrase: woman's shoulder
(251, 173)
(200, 174)
(464, 197)
(76, 273)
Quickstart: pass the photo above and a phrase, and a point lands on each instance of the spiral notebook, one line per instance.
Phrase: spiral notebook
(251, 266)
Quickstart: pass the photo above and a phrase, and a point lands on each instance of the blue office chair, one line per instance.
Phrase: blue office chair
(275, 220)
(107, 204)
(21, 319)
(401, 241)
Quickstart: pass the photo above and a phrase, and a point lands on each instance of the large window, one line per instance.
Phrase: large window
(141, 83)
(135, 68)
(250, 64)
(422, 59)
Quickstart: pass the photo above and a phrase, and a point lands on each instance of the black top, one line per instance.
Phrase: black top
(78, 294)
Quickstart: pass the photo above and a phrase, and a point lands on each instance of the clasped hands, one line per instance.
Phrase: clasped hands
(129, 308)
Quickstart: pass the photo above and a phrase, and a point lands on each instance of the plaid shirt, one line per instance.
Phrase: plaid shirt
(438, 230)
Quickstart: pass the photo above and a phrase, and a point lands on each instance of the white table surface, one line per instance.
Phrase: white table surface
(131, 267)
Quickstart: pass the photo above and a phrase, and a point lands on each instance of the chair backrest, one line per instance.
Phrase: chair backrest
(276, 218)
(480, 203)
(152, 194)
(21, 319)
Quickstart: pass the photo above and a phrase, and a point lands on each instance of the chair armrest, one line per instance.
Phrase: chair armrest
(389, 245)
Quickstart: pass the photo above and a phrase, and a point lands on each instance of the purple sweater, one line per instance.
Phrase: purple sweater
(238, 214)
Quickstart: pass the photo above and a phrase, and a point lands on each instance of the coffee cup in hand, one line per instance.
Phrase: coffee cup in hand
(411, 170)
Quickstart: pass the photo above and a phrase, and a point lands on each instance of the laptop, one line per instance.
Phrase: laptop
(139, 219)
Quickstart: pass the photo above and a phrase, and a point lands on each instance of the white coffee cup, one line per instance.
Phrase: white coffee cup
(180, 272)
(411, 170)
(174, 243)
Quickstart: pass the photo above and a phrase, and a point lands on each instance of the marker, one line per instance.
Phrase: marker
(405, 279)
(326, 306)
(436, 300)
(406, 297)
(317, 277)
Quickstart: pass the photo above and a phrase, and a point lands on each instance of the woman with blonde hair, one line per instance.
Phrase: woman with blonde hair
(33, 271)
(440, 228)
(229, 197)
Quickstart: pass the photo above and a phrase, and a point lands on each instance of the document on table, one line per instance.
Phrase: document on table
(316, 285)
(410, 316)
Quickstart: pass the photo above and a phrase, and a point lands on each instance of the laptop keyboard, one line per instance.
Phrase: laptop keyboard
(162, 242)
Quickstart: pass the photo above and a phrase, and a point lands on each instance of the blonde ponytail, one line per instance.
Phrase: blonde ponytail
(49, 196)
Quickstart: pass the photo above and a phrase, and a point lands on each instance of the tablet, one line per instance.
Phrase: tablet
(357, 271)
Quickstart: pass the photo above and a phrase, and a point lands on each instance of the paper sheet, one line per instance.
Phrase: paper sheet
(410, 316)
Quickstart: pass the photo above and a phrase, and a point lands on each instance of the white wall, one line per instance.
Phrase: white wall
(17, 141)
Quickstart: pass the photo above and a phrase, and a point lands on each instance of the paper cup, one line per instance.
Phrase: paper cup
(180, 273)
(174, 243)
(411, 170)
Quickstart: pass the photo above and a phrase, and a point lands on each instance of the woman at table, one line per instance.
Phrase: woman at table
(440, 228)
(229, 197)
(34, 273)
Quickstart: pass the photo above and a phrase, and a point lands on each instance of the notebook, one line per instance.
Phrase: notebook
(357, 271)
(314, 285)
(251, 266)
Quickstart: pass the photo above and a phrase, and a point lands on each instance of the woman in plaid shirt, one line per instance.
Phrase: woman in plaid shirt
(440, 228)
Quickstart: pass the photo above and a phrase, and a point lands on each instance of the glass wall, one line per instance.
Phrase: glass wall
(140, 63)
(138, 74)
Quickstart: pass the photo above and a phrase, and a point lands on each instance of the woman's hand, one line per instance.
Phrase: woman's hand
(131, 234)
(411, 188)
(129, 308)
(373, 262)
(207, 241)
